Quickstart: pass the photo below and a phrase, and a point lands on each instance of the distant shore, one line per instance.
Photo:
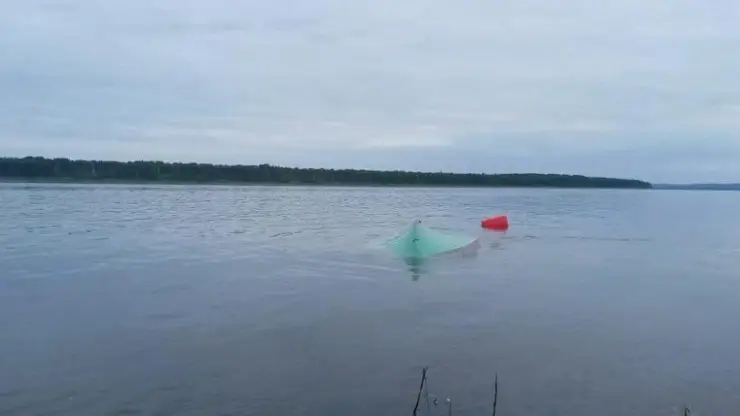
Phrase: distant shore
(123, 182)
(700, 187)
(66, 171)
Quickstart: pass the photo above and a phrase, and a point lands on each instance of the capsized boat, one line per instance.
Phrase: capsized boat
(419, 242)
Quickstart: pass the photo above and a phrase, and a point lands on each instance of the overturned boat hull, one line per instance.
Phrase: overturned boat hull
(420, 242)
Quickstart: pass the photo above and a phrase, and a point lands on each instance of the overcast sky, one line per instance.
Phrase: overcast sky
(644, 89)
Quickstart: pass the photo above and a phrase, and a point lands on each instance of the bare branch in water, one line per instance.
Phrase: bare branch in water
(686, 410)
(421, 387)
(495, 394)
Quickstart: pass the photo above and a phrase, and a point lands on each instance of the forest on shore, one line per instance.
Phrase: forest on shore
(67, 170)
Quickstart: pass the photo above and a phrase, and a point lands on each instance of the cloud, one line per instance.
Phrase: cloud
(534, 85)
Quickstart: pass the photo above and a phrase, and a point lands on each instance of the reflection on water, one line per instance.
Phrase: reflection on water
(418, 265)
(415, 267)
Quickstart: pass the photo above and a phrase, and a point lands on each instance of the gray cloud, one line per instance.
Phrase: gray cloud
(637, 89)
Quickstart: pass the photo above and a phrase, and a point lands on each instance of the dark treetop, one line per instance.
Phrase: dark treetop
(43, 169)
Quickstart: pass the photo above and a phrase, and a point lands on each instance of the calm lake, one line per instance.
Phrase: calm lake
(215, 300)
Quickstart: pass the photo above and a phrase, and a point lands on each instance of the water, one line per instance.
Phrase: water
(186, 300)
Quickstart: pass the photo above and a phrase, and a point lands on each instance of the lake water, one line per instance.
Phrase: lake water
(196, 300)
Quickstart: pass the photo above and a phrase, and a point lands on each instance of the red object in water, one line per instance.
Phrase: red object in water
(496, 223)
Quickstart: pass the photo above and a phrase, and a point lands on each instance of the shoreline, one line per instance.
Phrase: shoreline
(123, 182)
(65, 171)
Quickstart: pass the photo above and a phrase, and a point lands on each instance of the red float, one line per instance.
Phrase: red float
(500, 223)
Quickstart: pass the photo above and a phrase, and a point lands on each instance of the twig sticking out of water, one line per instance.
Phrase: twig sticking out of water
(495, 394)
(421, 387)
(686, 411)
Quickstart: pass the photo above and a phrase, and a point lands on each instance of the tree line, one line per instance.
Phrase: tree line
(62, 169)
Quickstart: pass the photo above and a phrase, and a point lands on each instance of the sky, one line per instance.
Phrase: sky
(627, 88)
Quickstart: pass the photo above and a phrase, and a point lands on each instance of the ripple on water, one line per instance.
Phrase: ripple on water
(219, 300)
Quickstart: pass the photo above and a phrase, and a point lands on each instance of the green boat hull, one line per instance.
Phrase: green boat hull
(420, 242)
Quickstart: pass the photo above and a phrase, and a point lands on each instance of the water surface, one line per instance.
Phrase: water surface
(198, 300)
